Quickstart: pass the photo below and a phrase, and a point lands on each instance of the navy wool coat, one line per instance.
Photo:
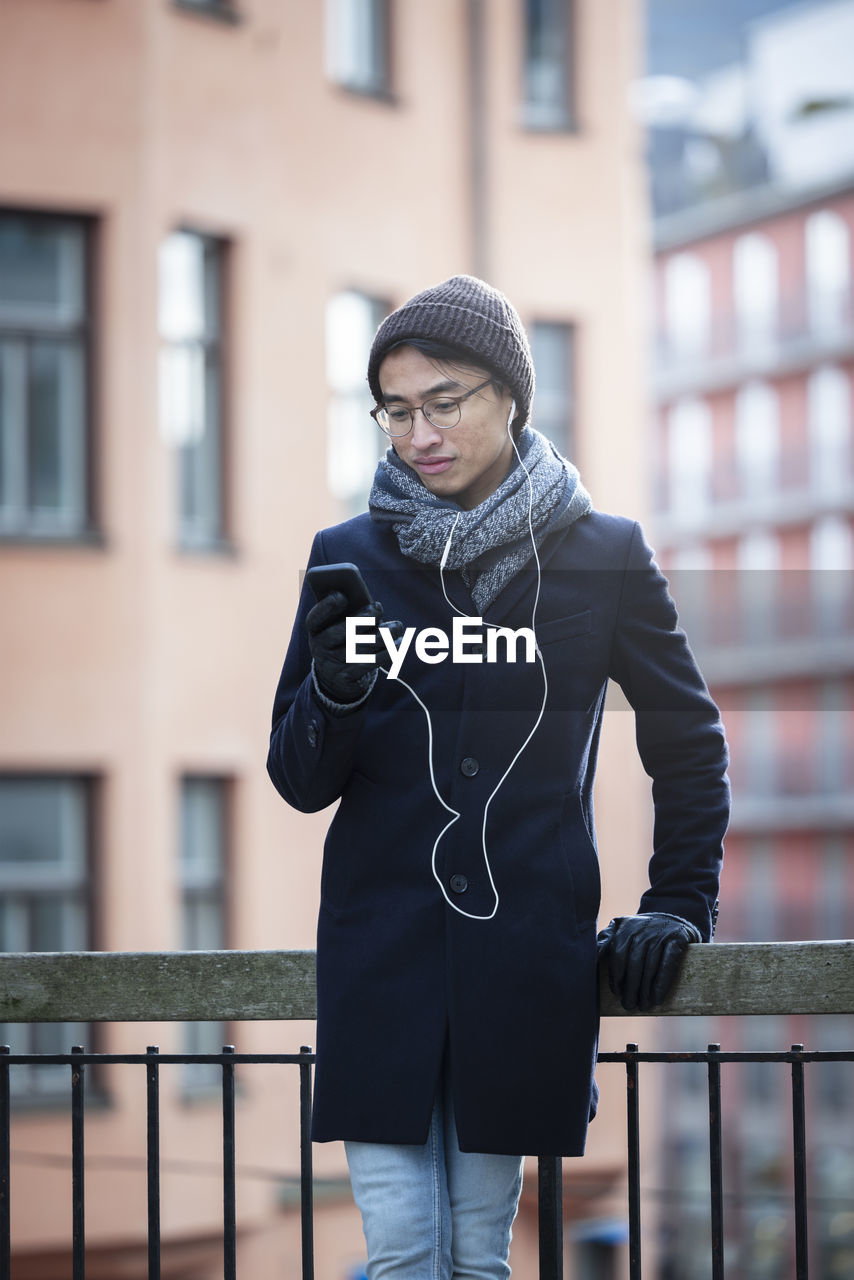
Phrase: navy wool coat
(510, 1003)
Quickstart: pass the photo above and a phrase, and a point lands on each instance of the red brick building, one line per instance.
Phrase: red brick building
(753, 468)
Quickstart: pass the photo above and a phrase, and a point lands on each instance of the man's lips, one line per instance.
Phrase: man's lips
(432, 466)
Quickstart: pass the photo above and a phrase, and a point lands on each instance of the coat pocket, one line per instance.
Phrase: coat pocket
(575, 624)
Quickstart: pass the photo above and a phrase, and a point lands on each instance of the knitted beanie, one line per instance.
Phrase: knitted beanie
(471, 316)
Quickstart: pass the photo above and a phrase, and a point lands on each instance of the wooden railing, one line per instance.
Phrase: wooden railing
(725, 979)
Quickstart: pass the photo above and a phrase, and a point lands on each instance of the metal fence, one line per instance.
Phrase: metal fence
(727, 979)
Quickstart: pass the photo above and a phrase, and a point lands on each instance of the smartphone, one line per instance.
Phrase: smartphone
(344, 577)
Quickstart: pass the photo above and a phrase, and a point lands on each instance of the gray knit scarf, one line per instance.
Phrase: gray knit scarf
(492, 542)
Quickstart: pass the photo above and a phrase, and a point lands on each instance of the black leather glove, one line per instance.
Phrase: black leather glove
(339, 680)
(643, 954)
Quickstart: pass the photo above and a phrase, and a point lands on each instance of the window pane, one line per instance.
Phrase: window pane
(546, 70)
(44, 835)
(182, 393)
(13, 434)
(41, 271)
(42, 820)
(689, 457)
(755, 290)
(757, 437)
(356, 44)
(828, 267)
(43, 395)
(202, 874)
(181, 278)
(551, 348)
(56, 463)
(203, 924)
(190, 391)
(201, 475)
(688, 304)
(202, 829)
(353, 441)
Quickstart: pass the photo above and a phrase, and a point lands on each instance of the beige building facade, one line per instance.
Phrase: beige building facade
(205, 208)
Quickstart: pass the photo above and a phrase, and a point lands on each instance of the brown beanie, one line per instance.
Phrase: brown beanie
(471, 316)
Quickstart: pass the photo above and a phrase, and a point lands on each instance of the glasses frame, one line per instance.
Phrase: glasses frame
(458, 401)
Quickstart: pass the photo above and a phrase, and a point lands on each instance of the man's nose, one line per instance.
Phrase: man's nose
(423, 430)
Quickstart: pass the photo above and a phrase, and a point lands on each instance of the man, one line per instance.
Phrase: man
(457, 948)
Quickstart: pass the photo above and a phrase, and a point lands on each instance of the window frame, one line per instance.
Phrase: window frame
(379, 89)
(200, 1080)
(567, 330)
(86, 332)
(218, 347)
(52, 1095)
(564, 116)
(355, 395)
(219, 10)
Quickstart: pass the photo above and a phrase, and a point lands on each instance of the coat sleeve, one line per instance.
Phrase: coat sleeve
(681, 743)
(311, 748)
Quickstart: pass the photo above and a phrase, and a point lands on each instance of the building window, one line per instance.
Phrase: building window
(687, 306)
(552, 350)
(224, 9)
(354, 442)
(761, 905)
(44, 360)
(755, 287)
(827, 251)
(547, 69)
(831, 549)
(45, 848)
(759, 586)
(357, 45)
(203, 869)
(829, 429)
(191, 270)
(689, 458)
(757, 438)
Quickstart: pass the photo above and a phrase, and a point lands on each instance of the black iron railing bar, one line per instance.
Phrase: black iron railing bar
(78, 1173)
(5, 1167)
(734, 1055)
(799, 1145)
(630, 1057)
(306, 1166)
(165, 1059)
(229, 1186)
(550, 1216)
(716, 1163)
(152, 1072)
(295, 1059)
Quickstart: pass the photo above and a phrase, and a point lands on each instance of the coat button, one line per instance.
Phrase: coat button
(312, 733)
(469, 766)
(459, 884)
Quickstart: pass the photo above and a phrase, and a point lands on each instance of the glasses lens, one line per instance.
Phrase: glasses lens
(442, 412)
(394, 421)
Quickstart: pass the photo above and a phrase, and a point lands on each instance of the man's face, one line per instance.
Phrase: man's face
(465, 463)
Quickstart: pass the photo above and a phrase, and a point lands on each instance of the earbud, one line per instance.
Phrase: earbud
(512, 414)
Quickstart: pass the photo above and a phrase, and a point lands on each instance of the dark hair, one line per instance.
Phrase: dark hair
(448, 353)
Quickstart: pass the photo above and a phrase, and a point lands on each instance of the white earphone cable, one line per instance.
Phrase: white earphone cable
(450, 809)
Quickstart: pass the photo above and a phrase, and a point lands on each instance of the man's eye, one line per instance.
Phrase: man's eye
(443, 406)
(397, 415)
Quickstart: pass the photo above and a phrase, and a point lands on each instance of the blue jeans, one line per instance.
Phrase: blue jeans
(433, 1212)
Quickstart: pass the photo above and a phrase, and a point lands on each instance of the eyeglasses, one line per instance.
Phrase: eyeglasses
(442, 411)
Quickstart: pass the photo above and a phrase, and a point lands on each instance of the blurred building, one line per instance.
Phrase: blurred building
(782, 116)
(754, 477)
(205, 208)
